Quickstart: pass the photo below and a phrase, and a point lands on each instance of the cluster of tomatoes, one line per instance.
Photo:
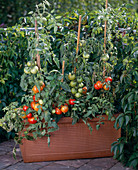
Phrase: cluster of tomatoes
(99, 85)
(30, 117)
(31, 68)
(77, 86)
(35, 89)
(63, 108)
(35, 105)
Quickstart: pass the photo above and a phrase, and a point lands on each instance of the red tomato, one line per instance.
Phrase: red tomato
(64, 109)
(41, 88)
(96, 87)
(54, 105)
(32, 105)
(32, 120)
(71, 101)
(105, 88)
(34, 99)
(99, 84)
(108, 79)
(25, 108)
(58, 111)
(65, 104)
(29, 115)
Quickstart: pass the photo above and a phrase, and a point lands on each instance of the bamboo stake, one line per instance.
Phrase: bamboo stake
(105, 39)
(37, 55)
(63, 66)
(78, 39)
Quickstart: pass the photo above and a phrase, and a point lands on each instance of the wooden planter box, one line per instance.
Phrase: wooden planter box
(72, 142)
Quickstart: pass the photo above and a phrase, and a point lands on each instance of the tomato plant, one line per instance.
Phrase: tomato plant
(108, 76)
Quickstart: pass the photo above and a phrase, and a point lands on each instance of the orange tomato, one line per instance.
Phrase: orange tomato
(32, 105)
(23, 115)
(105, 88)
(99, 84)
(35, 89)
(84, 90)
(36, 108)
(64, 109)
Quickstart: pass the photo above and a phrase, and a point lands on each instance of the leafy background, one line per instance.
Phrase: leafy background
(12, 10)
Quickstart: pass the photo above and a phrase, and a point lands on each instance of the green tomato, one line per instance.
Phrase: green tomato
(73, 91)
(86, 55)
(26, 70)
(41, 82)
(71, 76)
(80, 90)
(106, 112)
(79, 80)
(29, 63)
(41, 102)
(105, 57)
(73, 83)
(53, 111)
(82, 43)
(77, 95)
(81, 85)
(34, 70)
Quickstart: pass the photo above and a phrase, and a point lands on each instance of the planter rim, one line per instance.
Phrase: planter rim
(69, 119)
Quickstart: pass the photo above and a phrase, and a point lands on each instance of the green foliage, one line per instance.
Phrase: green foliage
(13, 54)
(12, 10)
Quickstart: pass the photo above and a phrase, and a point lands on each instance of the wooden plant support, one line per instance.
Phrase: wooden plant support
(78, 39)
(37, 55)
(105, 39)
(63, 66)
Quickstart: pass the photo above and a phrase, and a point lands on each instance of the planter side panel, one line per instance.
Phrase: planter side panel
(72, 142)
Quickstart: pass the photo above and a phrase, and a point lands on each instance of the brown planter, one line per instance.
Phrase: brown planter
(72, 142)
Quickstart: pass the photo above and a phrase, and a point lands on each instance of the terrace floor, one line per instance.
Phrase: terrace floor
(8, 163)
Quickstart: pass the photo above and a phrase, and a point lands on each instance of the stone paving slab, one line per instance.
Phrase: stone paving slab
(74, 163)
(8, 163)
(55, 166)
(104, 163)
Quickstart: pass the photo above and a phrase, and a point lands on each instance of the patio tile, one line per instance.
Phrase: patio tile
(119, 166)
(74, 163)
(55, 166)
(89, 167)
(24, 166)
(8, 160)
(105, 163)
